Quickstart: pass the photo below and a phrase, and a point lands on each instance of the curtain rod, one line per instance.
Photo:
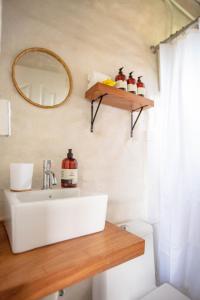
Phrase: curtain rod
(154, 49)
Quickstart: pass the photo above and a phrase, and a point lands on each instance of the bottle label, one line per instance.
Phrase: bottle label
(71, 175)
(141, 91)
(132, 88)
(121, 84)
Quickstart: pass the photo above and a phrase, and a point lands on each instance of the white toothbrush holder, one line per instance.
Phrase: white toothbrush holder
(21, 175)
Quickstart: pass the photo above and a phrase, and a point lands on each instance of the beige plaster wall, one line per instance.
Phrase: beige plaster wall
(89, 35)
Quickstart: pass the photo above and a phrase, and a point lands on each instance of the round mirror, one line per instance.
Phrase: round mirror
(41, 77)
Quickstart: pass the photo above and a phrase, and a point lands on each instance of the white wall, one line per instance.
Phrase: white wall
(89, 35)
(0, 22)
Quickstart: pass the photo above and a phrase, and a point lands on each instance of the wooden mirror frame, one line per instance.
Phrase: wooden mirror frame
(58, 58)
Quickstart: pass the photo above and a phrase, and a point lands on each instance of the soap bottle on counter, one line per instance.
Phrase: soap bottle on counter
(69, 173)
(131, 84)
(121, 80)
(140, 87)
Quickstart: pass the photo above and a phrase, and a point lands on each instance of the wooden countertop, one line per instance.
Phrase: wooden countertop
(37, 273)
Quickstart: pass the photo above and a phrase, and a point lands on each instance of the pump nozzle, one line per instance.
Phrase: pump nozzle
(139, 78)
(120, 70)
(70, 154)
(130, 74)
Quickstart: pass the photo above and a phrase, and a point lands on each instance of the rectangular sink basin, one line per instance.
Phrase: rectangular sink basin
(38, 218)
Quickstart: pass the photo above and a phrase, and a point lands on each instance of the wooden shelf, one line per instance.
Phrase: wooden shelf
(37, 273)
(117, 98)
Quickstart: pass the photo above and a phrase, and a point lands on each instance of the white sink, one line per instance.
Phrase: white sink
(38, 218)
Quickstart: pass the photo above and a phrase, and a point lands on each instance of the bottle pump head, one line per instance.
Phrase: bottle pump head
(130, 74)
(139, 80)
(69, 154)
(120, 70)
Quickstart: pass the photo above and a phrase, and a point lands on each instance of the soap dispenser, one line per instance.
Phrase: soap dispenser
(69, 173)
(140, 87)
(131, 84)
(121, 80)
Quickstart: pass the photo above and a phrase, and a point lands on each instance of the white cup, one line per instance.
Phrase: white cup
(21, 176)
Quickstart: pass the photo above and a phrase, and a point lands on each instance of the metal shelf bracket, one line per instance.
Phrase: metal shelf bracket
(134, 123)
(93, 115)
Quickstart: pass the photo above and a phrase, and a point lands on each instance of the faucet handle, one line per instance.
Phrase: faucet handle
(53, 179)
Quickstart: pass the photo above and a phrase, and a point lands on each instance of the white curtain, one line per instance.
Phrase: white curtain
(175, 158)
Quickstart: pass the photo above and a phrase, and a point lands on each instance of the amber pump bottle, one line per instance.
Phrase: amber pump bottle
(131, 84)
(140, 87)
(69, 173)
(121, 80)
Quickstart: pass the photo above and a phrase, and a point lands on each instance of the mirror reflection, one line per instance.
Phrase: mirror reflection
(42, 77)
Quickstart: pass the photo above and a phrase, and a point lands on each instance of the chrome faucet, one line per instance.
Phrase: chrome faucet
(49, 177)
